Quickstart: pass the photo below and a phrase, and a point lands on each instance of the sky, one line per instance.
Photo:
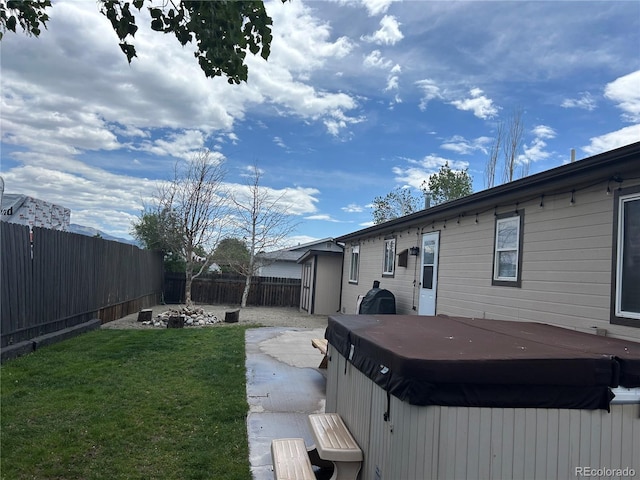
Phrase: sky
(357, 98)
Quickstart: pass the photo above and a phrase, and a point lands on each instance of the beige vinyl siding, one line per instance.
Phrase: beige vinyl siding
(566, 268)
(371, 258)
(566, 265)
(438, 442)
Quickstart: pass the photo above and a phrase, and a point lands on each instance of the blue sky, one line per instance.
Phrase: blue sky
(357, 98)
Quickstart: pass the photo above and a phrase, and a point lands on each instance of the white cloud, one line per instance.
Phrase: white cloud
(430, 91)
(323, 217)
(352, 208)
(626, 92)
(118, 198)
(393, 82)
(479, 104)
(377, 7)
(376, 60)
(612, 140)
(586, 102)
(463, 146)
(534, 151)
(544, 131)
(278, 141)
(176, 144)
(388, 34)
(419, 171)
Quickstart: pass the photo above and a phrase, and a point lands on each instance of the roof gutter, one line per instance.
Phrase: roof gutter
(608, 165)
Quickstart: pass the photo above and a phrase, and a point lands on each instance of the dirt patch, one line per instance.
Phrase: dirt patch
(264, 316)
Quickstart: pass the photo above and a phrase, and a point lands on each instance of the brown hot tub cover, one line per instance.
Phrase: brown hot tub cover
(485, 363)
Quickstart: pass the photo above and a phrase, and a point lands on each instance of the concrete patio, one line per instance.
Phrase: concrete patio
(284, 385)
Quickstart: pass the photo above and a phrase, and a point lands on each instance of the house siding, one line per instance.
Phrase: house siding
(371, 258)
(565, 274)
(566, 266)
(281, 270)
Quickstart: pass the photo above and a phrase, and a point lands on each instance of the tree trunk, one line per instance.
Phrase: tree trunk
(187, 288)
(245, 293)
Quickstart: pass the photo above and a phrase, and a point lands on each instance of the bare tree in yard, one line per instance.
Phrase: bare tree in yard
(260, 216)
(507, 144)
(494, 154)
(512, 145)
(196, 199)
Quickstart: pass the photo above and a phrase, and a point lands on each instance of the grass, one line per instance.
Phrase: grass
(128, 404)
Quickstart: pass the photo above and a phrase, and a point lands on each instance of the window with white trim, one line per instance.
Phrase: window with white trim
(388, 265)
(627, 259)
(355, 264)
(508, 250)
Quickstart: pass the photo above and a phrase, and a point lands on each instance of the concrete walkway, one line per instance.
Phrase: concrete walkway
(284, 385)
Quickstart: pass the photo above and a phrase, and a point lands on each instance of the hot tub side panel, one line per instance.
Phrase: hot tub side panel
(438, 442)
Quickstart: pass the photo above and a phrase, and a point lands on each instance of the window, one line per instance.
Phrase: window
(389, 256)
(355, 263)
(626, 268)
(508, 250)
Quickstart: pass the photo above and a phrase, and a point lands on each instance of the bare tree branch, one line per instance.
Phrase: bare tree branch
(494, 154)
(195, 198)
(512, 145)
(260, 217)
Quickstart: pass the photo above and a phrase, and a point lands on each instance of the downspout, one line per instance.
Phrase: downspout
(341, 279)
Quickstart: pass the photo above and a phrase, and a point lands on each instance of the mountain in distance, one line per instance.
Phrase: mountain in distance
(92, 232)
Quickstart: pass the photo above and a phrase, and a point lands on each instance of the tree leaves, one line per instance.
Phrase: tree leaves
(447, 184)
(222, 31)
(29, 15)
(397, 203)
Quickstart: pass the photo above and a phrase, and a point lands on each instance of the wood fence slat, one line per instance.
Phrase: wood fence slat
(227, 289)
(70, 279)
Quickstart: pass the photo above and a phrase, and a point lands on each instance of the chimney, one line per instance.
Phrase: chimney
(427, 200)
(573, 155)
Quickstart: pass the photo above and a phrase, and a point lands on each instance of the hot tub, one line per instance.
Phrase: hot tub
(441, 397)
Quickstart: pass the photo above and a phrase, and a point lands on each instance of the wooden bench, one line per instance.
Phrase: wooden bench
(335, 443)
(321, 344)
(290, 460)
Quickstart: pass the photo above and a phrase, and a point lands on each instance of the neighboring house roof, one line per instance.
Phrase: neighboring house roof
(12, 201)
(329, 244)
(26, 210)
(614, 164)
(280, 255)
(292, 254)
(317, 253)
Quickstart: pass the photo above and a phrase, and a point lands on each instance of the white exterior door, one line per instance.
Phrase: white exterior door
(429, 273)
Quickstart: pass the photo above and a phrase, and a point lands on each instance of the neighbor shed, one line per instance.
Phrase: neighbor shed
(320, 293)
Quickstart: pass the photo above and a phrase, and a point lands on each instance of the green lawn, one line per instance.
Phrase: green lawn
(128, 404)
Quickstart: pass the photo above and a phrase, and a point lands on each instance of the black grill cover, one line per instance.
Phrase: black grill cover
(378, 301)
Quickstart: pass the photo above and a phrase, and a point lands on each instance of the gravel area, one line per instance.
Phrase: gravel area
(259, 316)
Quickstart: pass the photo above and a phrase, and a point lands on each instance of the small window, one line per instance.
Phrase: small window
(626, 281)
(355, 264)
(389, 256)
(508, 250)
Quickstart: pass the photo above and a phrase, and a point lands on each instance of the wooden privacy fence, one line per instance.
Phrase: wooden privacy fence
(227, 289)
(59, 280)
